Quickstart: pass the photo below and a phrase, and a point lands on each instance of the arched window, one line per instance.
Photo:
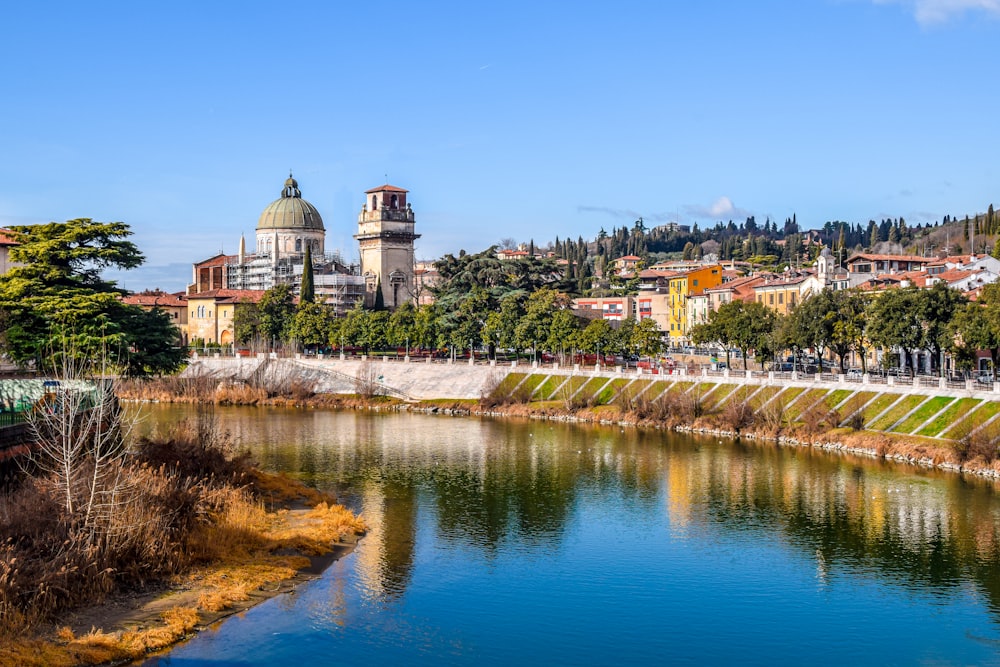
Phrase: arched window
(374, 202)
(298, 245)
(395, 202)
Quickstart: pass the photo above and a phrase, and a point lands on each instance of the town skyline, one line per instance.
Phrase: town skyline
(516, 122)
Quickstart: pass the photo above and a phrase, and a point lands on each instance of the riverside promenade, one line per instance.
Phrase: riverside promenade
(421, 379)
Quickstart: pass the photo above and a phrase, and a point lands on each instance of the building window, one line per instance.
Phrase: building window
(394, 202)
(374, 203)
(298, 245)
(781, 298)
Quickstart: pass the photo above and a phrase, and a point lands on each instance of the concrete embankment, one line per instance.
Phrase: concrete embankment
(414, 380)
(925, 407)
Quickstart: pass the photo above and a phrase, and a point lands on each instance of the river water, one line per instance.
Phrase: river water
(528, 542)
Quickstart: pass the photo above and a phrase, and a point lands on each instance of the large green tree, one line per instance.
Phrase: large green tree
(851, 325)
(277, 312)
(972, 330)
(736, 324)
(55, 299)
(896, 322)
(485, 280)
(402, 325)
(596, 338)
(938, 306)
(535, 325)
(500, 326)
(311, 325)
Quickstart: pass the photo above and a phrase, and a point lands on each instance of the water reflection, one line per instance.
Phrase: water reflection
(487, 486)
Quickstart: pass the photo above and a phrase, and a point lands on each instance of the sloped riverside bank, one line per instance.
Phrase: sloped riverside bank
(926, 421)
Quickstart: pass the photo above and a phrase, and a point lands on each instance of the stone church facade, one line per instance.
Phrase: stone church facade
(286, 228)
(291, 224)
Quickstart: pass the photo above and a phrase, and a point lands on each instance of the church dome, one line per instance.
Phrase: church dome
(290, 212)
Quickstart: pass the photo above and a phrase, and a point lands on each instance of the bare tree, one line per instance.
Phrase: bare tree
(81, 446)
(366, 381)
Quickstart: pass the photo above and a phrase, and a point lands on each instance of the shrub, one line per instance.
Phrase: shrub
(738, 415)
(978, 443)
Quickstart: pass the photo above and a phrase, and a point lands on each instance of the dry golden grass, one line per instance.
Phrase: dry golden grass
(228, 548)
(239, 394)
(97, 647)
(280, 488)
(247, 550)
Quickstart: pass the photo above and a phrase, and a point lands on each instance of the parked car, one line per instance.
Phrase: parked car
(854, 373)
(985, 377)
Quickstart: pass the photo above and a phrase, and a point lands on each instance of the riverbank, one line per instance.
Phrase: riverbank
(971, 452)
(223, 537)
(119, 623)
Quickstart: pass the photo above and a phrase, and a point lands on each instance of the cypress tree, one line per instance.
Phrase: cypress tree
(379, 299)
(307, 293)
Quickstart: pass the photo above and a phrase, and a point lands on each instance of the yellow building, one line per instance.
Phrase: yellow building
(210, 314)
(680, 288)
(783, 294)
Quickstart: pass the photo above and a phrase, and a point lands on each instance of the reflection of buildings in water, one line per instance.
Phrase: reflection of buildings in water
(722, 485)
(386, 554)
(679, 498)
(821, 569)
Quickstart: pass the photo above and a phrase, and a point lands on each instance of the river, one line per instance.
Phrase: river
(500, 542)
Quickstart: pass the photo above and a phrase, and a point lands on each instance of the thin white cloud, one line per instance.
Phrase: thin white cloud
(932, 12)
(627, 214)
(721, 209)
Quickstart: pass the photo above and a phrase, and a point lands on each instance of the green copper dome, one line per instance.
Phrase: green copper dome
(291, 211)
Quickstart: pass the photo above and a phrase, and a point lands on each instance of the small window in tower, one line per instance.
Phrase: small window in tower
(374, 203)
(395, 202)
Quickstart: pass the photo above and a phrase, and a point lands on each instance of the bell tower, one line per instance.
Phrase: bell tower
(385, 236)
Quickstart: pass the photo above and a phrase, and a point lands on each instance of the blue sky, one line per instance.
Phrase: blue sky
(503, 119)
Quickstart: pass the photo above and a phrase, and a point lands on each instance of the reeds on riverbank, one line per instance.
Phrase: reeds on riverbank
(193, 508)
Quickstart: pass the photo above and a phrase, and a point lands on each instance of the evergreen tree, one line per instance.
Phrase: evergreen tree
(379, 299)
(307, 293)
(53, 295)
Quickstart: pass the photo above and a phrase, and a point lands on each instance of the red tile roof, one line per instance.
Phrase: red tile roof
(954, 275)
(659, 273)
(229, 295)
(154, 299)
(217, 260)
(385, 188)
(900, 258)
